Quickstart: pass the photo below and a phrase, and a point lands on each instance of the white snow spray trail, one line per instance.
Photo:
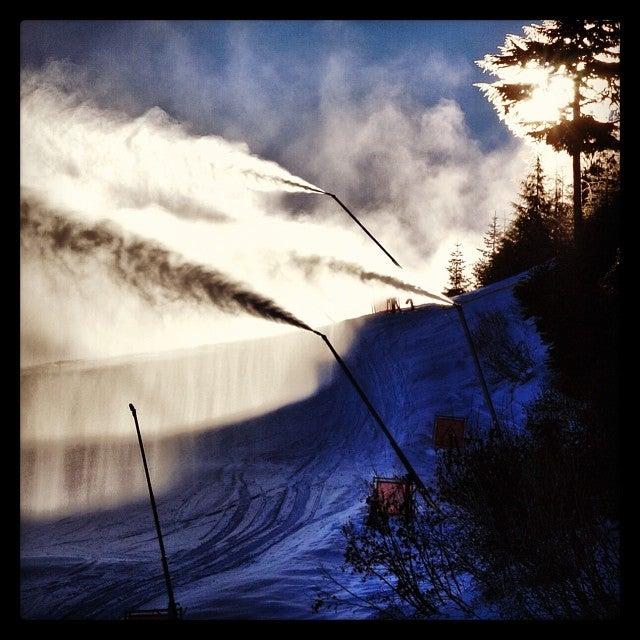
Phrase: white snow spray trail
(151, 154)
(313, 264)
(287, 183)
(150, 268)
(137, 237)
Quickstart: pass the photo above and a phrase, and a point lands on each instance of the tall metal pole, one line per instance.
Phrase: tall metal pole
(396, 447)
(476, 361)
(165, 566)
(335, 197)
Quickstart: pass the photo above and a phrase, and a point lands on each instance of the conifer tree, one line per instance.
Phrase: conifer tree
(587, 52)
(491, 241)
(529, 234)
(457, 279)
(529, 239)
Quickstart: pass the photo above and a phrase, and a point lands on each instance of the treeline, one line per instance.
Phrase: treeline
(527, 523)
(539, 227)
(575, 300)
(573, 294)
(573, 287)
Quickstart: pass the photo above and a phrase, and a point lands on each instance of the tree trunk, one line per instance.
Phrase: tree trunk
(577, 178)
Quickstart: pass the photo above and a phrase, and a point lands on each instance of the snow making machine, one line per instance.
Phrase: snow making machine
(390, 497)
(448, 432)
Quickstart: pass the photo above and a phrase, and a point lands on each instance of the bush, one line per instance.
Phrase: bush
(412, 559)
(522, 526)
(504, 357)
(540, 539)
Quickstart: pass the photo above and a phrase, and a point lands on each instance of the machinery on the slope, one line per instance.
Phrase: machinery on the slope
(394, 496)
(448, 432)
(390, 498)
(391, 305)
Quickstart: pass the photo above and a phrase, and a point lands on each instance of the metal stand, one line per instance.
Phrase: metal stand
(173, 613)
(396, 447)
(335, 197)
(476, 361)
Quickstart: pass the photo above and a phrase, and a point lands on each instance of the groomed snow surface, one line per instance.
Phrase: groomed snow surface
(259, 453)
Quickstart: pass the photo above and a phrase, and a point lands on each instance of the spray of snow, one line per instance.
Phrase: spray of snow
(201, 197)
(150, 269)
(138, 236)
(314, 264)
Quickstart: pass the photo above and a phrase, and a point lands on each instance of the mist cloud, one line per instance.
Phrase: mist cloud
(92, 146)
(311, 265)
(149, 268)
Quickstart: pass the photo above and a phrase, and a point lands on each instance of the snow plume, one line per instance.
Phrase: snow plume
(312, 264)
(197, 196)
(284, 182)
(148, 159)
(413, 174)
(151, 269)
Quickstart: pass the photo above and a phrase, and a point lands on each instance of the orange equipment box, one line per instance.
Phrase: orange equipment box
(392, 495)
(448, 432)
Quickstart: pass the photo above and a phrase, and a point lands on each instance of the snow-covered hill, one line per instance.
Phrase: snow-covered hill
(259, 452)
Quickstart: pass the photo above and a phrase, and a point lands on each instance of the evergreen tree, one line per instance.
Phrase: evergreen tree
(559, 222)
(528, 241)
(457, 280)
(586, 51)
(491, 242)
(492, 238)
(529, 234)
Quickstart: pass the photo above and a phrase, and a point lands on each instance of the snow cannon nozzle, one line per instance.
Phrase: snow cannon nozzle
(355, 219)
(132, 408)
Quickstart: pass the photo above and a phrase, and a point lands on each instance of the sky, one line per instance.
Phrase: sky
(180, 133)
(280, 64)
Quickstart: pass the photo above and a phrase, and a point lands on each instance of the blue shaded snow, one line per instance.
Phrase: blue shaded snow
(255, 506)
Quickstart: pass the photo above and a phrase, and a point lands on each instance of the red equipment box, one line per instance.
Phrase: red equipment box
(392, 495)
(448, 432)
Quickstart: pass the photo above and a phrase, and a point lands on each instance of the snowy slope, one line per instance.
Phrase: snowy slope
(259, 453)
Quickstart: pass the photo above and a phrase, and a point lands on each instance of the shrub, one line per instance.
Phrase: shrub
(504, 357)
(522, 525)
